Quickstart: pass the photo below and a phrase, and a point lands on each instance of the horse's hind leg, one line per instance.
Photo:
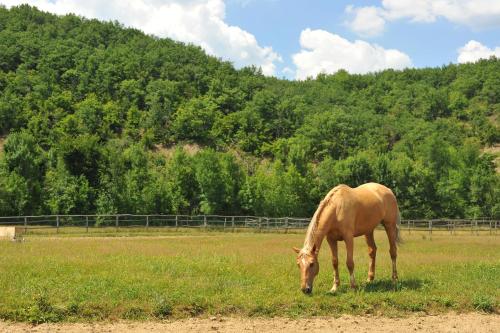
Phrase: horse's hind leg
(391, 230)
(372, 252)
(349, 245)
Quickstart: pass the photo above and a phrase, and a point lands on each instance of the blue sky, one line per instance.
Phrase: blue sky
(298, 38)
(280, 23)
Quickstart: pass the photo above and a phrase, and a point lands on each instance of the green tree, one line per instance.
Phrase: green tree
(193, 121)
(24, 163)
(14, 194)
(66, 194)
(181, 178)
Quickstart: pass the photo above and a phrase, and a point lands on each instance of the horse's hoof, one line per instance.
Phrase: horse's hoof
(333, 290)
(395, 285)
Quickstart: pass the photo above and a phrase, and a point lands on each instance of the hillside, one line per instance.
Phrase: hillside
(94, 112)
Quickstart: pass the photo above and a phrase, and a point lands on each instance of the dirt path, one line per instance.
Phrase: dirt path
(471, 322)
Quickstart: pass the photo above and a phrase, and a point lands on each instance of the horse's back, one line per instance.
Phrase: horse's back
(374, 189)
(374, 203)
(359, 210)
(383, 196)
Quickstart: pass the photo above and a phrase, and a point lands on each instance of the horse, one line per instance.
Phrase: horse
(343, 214)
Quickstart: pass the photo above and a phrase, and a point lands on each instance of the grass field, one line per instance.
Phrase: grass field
(187, 274)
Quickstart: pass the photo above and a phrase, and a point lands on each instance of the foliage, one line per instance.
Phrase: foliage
(103, 119)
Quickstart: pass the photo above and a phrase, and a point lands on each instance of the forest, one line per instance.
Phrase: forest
(98, 118)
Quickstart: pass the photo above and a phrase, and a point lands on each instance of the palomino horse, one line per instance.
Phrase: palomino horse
(343, 214)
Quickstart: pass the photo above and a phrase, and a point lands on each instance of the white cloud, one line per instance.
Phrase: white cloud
(323, 51)
(200, 22)
(368, 21)
(473, 51)
(475, 14)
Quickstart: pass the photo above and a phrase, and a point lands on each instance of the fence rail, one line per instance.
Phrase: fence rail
(118, 222)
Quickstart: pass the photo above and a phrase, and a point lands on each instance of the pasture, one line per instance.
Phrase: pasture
(192, 273)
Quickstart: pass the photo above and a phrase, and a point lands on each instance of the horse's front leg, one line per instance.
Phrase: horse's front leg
(335, 263)
(372, 252)
(349, 245)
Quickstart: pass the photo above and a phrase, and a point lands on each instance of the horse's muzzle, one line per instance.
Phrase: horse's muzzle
(307, 290)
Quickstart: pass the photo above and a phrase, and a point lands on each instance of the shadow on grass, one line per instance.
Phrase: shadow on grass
(387, 285)
(384, 285)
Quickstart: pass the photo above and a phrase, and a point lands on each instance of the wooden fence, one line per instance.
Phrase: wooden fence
(117, 222)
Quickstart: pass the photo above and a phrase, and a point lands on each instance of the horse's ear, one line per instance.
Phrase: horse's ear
(297, 250)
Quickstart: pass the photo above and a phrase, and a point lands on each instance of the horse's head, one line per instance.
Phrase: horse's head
(309, 268)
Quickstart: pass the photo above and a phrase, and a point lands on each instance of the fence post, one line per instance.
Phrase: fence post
(117, 223)
(430, 228)
(232, 222)
(147, 222)
(409, 230)
(224, 228)
(26, 224)
(260, 224)
(205, 222)
(176, 222)
(57, 223)
(286, 225)
(87, 223)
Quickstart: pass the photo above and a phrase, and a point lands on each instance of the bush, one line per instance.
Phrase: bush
(483, 303)
(163, 308)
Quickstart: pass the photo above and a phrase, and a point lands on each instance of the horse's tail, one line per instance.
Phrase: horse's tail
(399, 240)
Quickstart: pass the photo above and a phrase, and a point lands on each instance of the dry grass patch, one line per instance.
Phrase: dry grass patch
(189, 148)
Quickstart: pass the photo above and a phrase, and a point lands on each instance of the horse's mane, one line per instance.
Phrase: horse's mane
(313, 225)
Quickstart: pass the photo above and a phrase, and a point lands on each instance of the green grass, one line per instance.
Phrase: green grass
(46, 279)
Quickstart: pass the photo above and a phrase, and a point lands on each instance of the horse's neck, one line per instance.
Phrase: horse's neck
(315, 235)
(318, 227)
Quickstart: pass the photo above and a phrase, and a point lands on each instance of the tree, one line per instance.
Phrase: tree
(181, 178)
(14, 194)
(219, 179)
(90, 115)
(193, 121)
(161, 100)
(277, 191)
(24, 163)
(66, 194)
